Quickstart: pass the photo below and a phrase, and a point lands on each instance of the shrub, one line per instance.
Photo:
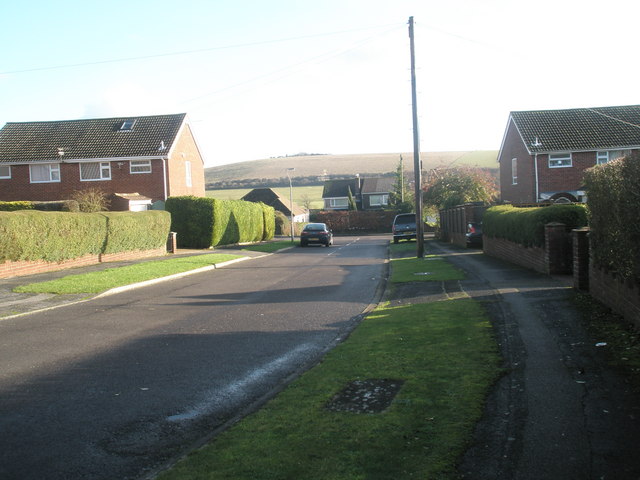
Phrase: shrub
(205, 222)
(613, 199)
(91, 200)
(127, 231)
(526, 225)
(57, 206)
(269, 219)
(50, 236)
(14, 206)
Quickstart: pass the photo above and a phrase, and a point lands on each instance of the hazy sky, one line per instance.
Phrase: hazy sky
(270, 78)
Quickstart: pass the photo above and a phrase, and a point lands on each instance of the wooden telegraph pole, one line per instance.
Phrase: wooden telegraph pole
(417, 166)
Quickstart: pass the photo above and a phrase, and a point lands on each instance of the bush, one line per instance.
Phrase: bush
(269, 219)
(91, 200)
(613, 199)
(526, 225)
(128, 231)
(205, 222)
(14, 206)
(59, 206)
(50, 236)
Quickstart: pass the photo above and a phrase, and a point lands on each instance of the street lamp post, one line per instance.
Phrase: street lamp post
(289, 170)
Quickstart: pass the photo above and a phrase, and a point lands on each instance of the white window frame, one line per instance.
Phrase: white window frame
(104, 169)
(514, 171)
(604, 156)
(339, 202)
(4, 175)
(144, 166)
(560, 160)
(53, 172)
(187, 172)
(379, 200)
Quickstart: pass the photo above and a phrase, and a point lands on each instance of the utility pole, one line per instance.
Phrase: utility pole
(417, 167)
(401, 179)
(289, 172)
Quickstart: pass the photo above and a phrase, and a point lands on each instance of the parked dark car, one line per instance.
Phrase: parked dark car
(316, 233)
(404, 227)
(474, 234)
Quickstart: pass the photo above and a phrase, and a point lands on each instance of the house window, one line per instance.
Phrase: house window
(379, 200)
(514, 171)
(127, 125)
(187, 168)
(557, 160)
(95, 171)
(5, 171)
(140, 166)
(608, 156)
(44, 173)
(338, 202)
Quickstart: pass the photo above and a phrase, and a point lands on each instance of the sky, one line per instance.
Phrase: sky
(261, 79)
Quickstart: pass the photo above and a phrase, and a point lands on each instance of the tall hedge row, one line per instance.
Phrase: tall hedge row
(613, 200)
(128, 231)
(526, 225)
(207, 222)
(57, 236)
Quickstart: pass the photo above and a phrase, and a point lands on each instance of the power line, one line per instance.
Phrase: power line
(188, 52)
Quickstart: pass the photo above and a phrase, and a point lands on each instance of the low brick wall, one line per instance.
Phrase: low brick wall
(622, 297)
(22, 268)
(532, 258)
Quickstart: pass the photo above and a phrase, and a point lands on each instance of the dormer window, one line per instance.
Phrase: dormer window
(127, 125)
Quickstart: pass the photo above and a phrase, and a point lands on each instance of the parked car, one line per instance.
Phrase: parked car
(474, 234)
(316, 233)
(404, 227)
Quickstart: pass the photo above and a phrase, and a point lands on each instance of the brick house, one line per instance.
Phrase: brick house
(544, 153)
(134, 160)
(368, 193)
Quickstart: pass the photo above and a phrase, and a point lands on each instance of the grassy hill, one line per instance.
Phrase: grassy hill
(270, 169)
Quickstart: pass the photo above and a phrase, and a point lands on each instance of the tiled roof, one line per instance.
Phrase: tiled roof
(273, 199)
(579, 129)
(91, 138)
(340, 188)
(377, 185)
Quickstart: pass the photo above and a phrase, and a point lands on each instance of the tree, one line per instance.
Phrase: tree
(352, 201)
(401, 197)
(457, 186)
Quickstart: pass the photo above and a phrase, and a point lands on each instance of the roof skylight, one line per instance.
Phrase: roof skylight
(127, 125)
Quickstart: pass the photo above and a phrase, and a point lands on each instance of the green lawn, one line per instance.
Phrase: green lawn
(446, 357)
(101, 281)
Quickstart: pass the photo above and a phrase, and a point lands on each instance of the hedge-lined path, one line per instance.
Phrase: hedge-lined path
(559, 411)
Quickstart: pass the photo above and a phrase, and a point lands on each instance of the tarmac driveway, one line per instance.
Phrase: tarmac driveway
(559, 412)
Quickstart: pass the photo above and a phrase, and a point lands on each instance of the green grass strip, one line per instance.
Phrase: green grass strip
(428, 269)
(269, 247)
(446, 356)
(101, 281)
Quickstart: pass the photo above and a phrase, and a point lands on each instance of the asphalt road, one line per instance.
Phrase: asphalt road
(118, 386)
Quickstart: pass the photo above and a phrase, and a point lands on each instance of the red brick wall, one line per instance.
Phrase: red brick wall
(564, 178)
(532, 258)
(185, 149)
(622, 297)
(524, 190)
(18, 187)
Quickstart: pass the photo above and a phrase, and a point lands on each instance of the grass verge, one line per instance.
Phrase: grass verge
(270, 247)
(103, 280)
(445, 354)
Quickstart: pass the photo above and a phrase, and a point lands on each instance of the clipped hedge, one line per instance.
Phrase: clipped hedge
(526, 225)
(206, 222)
(129, 231)
(15, 206)
(371, 221)
(56, 236)
(50, 236)
(613, 200)
(269, 220)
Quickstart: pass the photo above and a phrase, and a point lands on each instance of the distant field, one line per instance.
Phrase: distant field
(299, 194)
(369, 164)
